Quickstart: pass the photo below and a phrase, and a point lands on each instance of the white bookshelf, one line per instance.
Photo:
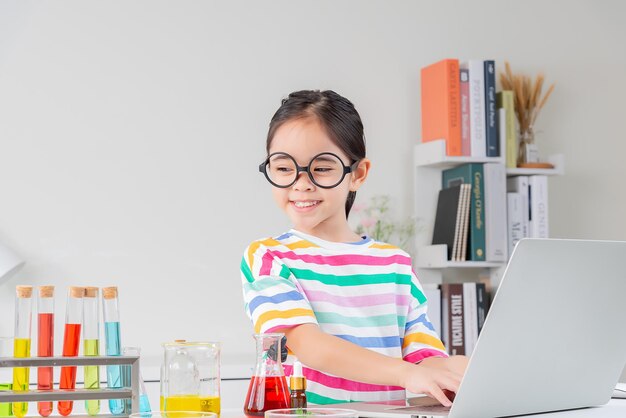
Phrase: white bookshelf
(430, 160)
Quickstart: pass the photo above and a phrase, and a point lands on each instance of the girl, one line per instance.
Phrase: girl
(351, 308)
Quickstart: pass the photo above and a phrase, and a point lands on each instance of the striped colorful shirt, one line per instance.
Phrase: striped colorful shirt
(364, 292)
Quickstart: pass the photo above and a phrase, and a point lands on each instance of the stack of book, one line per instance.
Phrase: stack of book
(460, 106)
(457, 312)
(471, 213)
(527, 208)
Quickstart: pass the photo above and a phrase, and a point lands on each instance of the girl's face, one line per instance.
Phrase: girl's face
(312, 209)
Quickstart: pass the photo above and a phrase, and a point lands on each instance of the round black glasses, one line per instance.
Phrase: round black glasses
(325, 170)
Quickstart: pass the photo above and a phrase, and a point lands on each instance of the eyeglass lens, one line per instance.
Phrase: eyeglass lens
(325, 170)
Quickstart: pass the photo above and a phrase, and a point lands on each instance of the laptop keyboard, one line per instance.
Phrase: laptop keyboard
(423, 408)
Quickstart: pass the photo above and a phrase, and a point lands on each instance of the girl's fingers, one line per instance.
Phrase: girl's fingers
(437, 393)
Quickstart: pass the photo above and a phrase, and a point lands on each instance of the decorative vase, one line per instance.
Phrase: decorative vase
(528, 152)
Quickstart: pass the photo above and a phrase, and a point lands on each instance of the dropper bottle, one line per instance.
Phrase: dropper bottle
(297, 386)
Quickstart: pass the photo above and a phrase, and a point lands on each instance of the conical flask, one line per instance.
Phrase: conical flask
(268, 386)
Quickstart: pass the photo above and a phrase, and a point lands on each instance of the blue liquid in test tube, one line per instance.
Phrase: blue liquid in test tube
(114, 373)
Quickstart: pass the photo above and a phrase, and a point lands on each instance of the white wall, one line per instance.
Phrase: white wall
(130, 132)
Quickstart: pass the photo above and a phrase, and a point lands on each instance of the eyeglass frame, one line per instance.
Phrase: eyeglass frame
(347, 169)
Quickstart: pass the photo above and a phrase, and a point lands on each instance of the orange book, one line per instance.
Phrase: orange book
(441, 104)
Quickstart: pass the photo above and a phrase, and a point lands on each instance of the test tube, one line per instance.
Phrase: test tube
(21, 345)
(144, 403)
(6, 375)
(91, 343)
(71, 342)
(113, 344)
(45, 343)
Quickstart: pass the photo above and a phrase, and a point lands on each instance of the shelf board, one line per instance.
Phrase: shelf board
(460, 264)
(558, 160)
(436, 257)
(433, 154)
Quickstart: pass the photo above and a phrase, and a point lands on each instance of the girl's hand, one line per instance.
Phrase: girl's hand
(456, 364)
(431, 381)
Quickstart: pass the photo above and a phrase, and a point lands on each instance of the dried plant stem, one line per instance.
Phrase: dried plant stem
(528, 98)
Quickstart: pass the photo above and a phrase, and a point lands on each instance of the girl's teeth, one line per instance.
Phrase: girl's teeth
(304, 204)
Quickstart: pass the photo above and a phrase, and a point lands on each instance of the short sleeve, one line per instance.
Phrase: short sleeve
(272, 296)
(420, 338)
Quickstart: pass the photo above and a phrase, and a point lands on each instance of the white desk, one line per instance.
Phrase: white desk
(616, 408)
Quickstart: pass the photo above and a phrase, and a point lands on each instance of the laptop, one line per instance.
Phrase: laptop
(554, 338)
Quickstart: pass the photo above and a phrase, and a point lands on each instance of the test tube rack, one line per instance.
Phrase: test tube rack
(131, 393)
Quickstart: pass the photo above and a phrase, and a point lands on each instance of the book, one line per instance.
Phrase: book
(465, 223)
(482, 304)
(538, 203)
(491, 131)
(495, 212)
(519, 184)
(478, 139)
(505, 100)
(452, 317)
(502, 130)
(514, 210)
(445, 228)
(466, 148)
(472, 174)
(462, 223)
(470, 316)
(441, 108)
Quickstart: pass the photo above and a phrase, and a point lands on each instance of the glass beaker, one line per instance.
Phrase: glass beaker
(268, 386)
(144, 403)
(190, 377)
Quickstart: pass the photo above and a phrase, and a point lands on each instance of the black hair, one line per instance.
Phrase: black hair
(336, 114)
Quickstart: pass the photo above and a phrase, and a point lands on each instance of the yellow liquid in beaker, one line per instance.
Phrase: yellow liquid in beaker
(191, 403)
(21, 349)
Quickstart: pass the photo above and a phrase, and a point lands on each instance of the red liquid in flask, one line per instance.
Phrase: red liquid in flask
(71, 342)
(45, 349)
(265, 393)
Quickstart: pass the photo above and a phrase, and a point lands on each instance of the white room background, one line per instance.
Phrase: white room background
(130, 133)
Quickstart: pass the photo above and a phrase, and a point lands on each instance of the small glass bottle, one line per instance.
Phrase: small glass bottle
(45, 343)
(91, 345)
(297, 386)
(21, 345)
(113, 343)
(71, 343)
(144, 403)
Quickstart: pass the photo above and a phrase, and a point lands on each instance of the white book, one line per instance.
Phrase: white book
(470, 317)
(514, 219)
(519, 184)
(538, 198)
(433, 296)
(478, 137)
(494, 175)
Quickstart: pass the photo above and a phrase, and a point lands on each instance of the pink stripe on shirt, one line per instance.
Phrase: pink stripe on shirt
(420, 355)
(343, 260)
(266, 266)
(340, 383)
(357, 301)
